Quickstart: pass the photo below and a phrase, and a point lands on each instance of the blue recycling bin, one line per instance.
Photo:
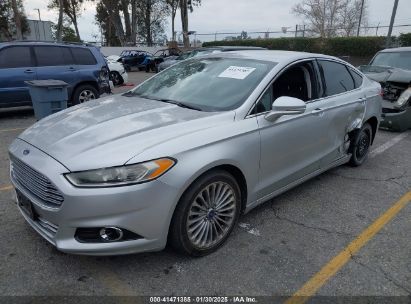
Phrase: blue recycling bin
(48, 96)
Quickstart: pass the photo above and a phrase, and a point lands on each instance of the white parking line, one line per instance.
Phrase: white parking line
(392, 142)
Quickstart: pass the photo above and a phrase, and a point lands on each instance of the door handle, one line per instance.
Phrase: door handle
(362, 100)
(71, 69)
(29, 71)
(318, 111)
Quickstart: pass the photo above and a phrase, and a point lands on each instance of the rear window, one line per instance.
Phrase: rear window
(83, 56)
(357, 78)
(53, 56)
(15, 57)
(337, 78)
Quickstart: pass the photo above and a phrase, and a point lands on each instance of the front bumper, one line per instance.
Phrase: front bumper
(397, 121)
(144, 209)
(124, 75)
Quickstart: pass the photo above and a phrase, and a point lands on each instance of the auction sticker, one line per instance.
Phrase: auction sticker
(237, 72)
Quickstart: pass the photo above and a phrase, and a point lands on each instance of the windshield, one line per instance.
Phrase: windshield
(209, 84)
(400, 60)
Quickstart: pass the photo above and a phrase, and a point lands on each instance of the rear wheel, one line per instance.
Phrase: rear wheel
(206, 214)
(361, 145)
(84, 93)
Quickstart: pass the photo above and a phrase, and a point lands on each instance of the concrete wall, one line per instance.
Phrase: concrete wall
(107, 51)
(39, 31)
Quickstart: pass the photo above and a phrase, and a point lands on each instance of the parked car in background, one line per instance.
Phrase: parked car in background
(179, 157)
(135, 59)
(161, 56)
(392, 69)
(118, 74)
(203, 51)
(83, 67)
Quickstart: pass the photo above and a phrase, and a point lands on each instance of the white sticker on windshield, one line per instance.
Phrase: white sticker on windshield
(237, 72)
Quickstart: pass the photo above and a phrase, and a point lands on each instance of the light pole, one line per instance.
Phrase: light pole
(38, 10)
(359, 21)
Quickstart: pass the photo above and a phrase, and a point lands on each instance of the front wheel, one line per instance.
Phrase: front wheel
(116, 78)
(206, 214)
(361, 145)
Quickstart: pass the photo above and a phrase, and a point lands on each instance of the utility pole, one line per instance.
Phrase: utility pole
(359, 21)
(38, 10)
(394, 12)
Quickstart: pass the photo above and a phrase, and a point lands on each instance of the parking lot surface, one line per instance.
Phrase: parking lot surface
(275, 250)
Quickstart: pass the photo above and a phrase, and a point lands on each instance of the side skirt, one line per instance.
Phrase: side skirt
(334, 164)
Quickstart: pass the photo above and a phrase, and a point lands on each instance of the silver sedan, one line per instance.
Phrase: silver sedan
(180, 157)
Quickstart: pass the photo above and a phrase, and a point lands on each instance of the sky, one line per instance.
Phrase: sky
(233, 16)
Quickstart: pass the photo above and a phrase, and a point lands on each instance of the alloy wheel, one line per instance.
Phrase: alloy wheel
(211, 215)
(86, 95)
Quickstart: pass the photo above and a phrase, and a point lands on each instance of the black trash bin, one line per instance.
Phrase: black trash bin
(48, 96)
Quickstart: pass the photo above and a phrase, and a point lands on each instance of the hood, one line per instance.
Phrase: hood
(112, 130)
(386, 74)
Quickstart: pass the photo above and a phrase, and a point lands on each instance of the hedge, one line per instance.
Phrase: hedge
(405, 39)
(340, 46)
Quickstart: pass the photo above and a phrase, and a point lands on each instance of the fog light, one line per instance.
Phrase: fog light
(105, 235)
(111, 234)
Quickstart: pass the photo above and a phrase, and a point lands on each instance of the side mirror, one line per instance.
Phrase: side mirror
(286, 105)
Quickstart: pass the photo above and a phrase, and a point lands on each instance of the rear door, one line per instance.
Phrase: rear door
(16, 67)
(344, 104)
(55, 62)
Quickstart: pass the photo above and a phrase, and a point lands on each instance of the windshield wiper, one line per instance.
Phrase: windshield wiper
(180, 104)
(174, 102)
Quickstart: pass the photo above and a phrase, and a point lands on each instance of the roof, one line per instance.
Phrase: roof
(31, 42)
(400, 49)
(266, 55)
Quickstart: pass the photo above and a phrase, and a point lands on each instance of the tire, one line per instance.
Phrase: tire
(116, 78)
(84, 93)
(198, 230)
(361, 145)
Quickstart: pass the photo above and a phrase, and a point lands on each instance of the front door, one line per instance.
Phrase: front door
(293, 145)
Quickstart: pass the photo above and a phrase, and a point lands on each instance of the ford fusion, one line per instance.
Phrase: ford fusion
(178, 159)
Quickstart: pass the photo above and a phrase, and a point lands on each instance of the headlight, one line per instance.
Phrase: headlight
(404, 98)
(121, 176)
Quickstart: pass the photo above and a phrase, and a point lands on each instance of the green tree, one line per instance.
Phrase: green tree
(173, 7)
(185, 7)
(71, 8)
(67, 33)
(151, 19)
(13, 21)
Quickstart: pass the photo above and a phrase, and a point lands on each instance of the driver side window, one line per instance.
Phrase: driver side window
(298, 81)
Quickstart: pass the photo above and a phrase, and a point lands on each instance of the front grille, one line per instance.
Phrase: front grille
(35, 183)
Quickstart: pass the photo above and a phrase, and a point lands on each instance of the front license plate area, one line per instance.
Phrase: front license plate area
(26, 205)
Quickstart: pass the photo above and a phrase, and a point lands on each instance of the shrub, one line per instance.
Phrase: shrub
(339, 46)
(405, 39)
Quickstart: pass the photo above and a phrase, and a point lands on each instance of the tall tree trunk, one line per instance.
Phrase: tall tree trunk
(184, 22)
(17, 20)
(148, 23)
(127, 21)
(115, 19)
(133, 21)
(60, 21)
(173, 24)
(73, 18)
